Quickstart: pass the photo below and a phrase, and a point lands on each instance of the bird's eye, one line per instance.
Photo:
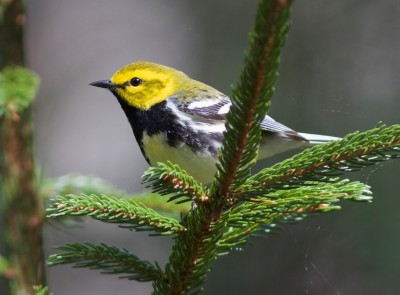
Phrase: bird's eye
(135, 81)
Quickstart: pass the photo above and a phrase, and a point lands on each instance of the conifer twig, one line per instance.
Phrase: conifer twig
(109, 259)
(115, 210)
(171, 179)
(74, 184)
(320, 163)
(251, 96)
(260, 213)
(195, 251)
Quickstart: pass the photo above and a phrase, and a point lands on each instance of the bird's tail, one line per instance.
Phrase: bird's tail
(318, 139)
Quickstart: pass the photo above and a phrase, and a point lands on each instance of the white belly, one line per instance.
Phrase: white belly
(200, 166)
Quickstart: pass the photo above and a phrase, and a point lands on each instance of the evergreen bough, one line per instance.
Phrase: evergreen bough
(237, 205)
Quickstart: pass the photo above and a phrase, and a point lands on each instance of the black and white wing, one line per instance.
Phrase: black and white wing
(214, 107)
(200, 119)
(205, 106)
(207, 112)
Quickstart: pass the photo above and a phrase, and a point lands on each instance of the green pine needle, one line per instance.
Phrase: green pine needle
(169, 178)
(4, 265)
(41, 290)
(320, 163)
(234, 238)
(18, 86)
(110, 259)
(133, 215)
(263, 213)
(312, 197)
(84, 184)
(193, 253)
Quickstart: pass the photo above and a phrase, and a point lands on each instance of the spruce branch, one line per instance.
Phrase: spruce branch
(195, 251)
(234, 238)
(41, 290)
(337, 189)
(78, 183)
(311, 197)
(251, 96)
(115, 210)
(322, 162)
(5, 268)
(17, 91)
(263, 213)
(171, 179)
(110, 259)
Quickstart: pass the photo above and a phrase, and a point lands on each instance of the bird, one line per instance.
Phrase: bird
(177, 119)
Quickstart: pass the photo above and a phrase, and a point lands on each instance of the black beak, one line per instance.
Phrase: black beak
(103, 84)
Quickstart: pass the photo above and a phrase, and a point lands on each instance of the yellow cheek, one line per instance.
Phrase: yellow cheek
(143, 97)
(135, 99)
(157, 87)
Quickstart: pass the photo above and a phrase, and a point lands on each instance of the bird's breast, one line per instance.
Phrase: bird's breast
(199, 165)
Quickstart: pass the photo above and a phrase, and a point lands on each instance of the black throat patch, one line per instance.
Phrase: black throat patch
(161, 119)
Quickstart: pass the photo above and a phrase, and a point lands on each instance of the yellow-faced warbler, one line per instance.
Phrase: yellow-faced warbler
(178, 119)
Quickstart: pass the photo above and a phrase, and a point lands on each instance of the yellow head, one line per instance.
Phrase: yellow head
(144, 84)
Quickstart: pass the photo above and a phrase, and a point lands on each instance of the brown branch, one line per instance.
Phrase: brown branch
(21, 204)
(11, 33)
(24, 208)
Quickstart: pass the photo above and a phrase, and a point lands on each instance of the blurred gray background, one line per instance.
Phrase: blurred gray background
(340, 72)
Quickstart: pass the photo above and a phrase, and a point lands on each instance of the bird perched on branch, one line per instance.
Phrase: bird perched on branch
(178, 119)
